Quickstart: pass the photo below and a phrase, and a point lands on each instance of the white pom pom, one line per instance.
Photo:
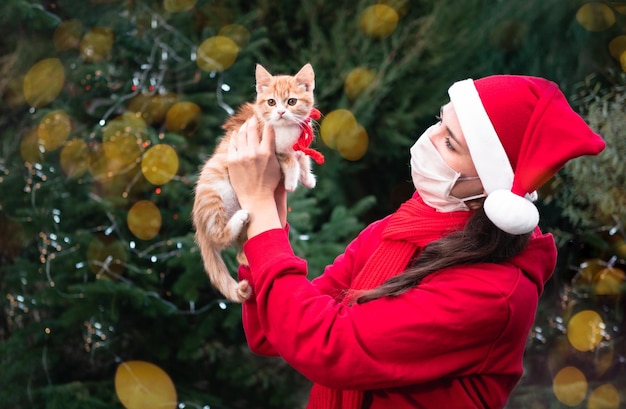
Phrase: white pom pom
(511, 213)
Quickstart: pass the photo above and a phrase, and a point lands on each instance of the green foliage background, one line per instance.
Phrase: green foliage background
(64, 331)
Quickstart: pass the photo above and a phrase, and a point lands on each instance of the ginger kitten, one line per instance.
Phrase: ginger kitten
(285, 102)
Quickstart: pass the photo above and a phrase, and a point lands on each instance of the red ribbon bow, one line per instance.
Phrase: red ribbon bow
(306, 137)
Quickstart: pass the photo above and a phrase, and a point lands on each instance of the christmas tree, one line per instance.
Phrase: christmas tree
(109, 108)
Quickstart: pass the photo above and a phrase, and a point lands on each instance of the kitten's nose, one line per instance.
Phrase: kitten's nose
(281, 113)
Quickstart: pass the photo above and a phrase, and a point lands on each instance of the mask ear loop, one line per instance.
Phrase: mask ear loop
(467, 199)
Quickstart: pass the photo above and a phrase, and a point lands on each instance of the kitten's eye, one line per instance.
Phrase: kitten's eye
(292, 101)
(271, 102)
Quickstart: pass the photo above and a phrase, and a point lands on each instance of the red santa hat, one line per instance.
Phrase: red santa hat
(520, 131)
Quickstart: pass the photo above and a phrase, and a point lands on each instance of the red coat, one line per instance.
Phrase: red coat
(455, 341)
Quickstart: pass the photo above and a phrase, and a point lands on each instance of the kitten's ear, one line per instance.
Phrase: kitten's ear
(306, 77)
(263, 79)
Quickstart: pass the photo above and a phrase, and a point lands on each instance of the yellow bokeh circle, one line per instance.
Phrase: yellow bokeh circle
(106, 256)
(159, 164)
(217, 54)
(97, 44)
(236, 32)
(334, 124)
(178, 6)
(357, 80)
(585, 330)
(75, 158)
(604, 397)
(595, 16)
(144, 220)
(378, 21)
(570, 386)
(43, 82)
(152, 108)
(183, 117)
(617, 46)
(67, 35)
(53, 130)
(128, 122)
(609, 281)
(341, 131)
(352, 145)
(143, 385)
(29, 147)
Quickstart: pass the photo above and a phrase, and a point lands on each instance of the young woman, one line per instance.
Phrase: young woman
(431, 306)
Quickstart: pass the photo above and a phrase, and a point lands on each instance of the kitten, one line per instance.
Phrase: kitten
(285, 102)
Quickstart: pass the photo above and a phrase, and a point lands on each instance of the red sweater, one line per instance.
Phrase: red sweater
(456, 341)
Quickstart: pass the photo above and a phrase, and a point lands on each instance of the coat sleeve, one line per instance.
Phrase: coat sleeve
(334, 282)
(432, 331)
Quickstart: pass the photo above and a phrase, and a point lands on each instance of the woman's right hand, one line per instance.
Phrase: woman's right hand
(255, 176)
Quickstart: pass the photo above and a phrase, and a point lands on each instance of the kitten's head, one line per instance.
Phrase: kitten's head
(284, 100)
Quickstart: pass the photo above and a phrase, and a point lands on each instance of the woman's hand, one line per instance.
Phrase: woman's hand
(255, 174)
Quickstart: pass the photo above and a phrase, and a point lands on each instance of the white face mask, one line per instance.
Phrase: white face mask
(434, 179)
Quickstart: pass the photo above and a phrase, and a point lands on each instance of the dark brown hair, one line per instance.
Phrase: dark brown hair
(480, 241)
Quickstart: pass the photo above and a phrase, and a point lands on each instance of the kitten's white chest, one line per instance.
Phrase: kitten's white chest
(286, 137)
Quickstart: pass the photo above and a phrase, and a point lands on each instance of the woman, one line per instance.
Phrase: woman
(431, 306)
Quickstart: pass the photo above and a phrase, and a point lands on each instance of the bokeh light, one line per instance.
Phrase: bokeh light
(378, 21)
(75, 158)
(217, 54)
(595, 16)
(123, 140)
(53, 130)
(604, 397)
(357, 80)
(143, 385)
(107, 256)
(179, 6)
(159, 164)
(570, 386)
(236, 32)
(144, 220)
(587, 270)
(341, 131)
(183, 117)
(29, 147)
(43, 82)
(97, 44)
(334, 124)
(152, 107)
(609, 281)
(585, 330)
(617, 46)
(67, 35)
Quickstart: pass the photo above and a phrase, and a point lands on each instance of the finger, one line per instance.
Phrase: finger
(269, 138)
(241, 141)
(252, 132)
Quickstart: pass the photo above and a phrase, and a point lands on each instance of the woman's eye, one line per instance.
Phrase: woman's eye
(292, 101)
(271, 102)
(449, 144)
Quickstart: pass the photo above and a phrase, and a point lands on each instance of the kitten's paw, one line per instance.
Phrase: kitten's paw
(291, 185)
(241, 216)
(308, 180)
(244, 290)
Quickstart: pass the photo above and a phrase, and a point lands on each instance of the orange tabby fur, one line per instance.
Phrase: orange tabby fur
(284, 102)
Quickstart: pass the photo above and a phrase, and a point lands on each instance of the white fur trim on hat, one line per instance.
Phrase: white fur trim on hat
(488, 154)
(511, 213)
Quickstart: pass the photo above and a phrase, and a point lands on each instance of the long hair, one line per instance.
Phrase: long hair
(479, 241)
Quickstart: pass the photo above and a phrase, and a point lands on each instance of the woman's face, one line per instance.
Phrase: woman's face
(449, 141)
